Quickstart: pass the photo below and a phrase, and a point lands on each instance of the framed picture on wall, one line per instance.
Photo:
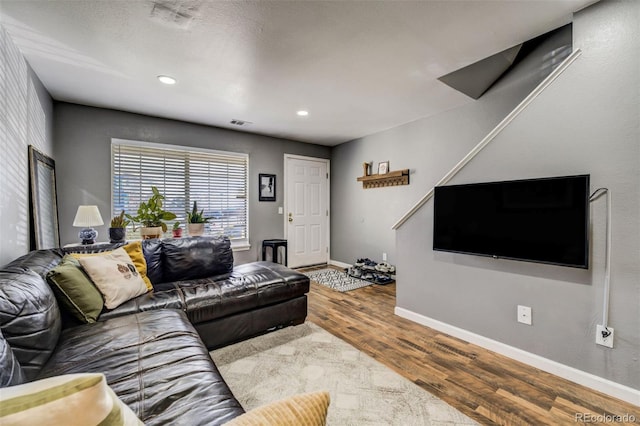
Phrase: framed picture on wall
(267, 187)
(383, 167)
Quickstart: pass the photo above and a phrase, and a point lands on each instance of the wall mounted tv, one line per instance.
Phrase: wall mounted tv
(538, 220)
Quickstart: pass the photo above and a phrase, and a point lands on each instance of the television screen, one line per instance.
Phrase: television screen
(539, 220)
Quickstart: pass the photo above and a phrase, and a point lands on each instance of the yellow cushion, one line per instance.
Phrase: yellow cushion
(72, 399)
(134, 250)
(308, 409)
(115, 276)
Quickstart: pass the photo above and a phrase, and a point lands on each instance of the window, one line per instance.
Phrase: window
(217, 180)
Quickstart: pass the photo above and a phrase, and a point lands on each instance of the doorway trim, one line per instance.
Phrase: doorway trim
(327, 161)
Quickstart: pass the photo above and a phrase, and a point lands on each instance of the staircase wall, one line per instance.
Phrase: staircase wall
(587, 121)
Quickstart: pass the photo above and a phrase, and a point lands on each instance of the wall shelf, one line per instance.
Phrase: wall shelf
(396, 178)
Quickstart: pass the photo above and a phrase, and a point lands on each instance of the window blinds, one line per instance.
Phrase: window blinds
(217, 180)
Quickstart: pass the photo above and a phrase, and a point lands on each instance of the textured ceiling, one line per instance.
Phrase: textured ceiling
(358, 67)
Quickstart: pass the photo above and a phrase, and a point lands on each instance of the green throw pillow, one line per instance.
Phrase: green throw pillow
(75, 291)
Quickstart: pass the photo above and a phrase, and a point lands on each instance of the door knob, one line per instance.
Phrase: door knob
(290, 219)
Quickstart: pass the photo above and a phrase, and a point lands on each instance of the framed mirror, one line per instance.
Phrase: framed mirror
(43, 200)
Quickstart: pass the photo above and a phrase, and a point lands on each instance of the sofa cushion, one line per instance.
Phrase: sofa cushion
(115, 276)
(133, 249)
(274, 282)
(39, 261)
(196, 257)
(29, 317)
(10, 369)
(81, 399)
(75, 290)
(152, 250)
(156, 364)
(248, 287)
(165, 296)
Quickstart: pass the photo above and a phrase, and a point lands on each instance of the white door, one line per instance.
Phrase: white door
(307, 210)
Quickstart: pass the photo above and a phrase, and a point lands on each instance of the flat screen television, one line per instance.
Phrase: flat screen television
(537, 220)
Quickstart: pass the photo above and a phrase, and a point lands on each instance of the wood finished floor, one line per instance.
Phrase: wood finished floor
(490, 388)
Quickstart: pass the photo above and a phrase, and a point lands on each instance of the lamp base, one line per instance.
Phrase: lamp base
(88, 236)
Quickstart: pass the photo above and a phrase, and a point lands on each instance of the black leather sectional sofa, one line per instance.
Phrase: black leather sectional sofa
(154, 348)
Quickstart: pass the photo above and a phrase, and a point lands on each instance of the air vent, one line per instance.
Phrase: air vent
(239, 122)
(177, 13)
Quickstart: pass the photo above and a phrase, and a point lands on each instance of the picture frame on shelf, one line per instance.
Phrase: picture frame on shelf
(266, 187)
(383, 167)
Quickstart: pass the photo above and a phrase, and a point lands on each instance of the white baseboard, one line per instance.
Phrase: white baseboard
(339, 264)
(592, 381)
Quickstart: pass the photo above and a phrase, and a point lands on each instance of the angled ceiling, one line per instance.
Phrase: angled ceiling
(358, 67)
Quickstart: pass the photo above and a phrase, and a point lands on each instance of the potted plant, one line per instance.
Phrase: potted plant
(151, 216)
(196, 221)
(177, 231)
(118, 228)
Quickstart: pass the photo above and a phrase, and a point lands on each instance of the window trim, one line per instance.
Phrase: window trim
(241, 244)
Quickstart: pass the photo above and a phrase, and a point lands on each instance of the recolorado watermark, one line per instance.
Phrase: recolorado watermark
(604, 418)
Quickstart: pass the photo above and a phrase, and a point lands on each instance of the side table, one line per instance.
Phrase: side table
(275, 244)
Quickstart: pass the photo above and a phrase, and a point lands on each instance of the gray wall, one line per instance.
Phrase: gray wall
(587, 121)
(361, 219)
(82, 152)
(25, 119)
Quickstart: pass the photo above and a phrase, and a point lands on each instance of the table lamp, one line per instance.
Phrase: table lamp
(86, 217)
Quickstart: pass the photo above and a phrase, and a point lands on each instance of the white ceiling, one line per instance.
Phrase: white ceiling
(358, 67)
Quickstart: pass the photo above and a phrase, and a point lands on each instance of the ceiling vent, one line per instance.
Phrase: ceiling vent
(176, 13)
(239, 122)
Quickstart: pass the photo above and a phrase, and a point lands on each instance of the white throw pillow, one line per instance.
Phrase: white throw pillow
(115, 275)
(72, 399)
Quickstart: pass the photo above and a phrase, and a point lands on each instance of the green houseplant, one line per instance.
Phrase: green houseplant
(177, 231)
(151, 216)
(117, 230)
(196, 221)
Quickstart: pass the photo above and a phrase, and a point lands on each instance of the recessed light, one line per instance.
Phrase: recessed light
(302, 113)
(166, 79)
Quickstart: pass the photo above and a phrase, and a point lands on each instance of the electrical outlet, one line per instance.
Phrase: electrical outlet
(384, 257)
(604, 336)
(524, 314)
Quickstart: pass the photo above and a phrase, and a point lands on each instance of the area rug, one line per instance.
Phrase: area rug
(306, 358)
(336, 280)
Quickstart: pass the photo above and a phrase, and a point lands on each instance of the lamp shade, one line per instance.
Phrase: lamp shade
(88, 216)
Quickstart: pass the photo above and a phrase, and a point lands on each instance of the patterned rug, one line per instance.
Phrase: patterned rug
(306, 358)
(336, 280)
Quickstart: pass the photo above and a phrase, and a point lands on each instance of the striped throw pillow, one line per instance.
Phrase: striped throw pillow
(73, 399)
(309, 409)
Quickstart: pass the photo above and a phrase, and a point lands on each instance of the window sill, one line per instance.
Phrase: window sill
(240, 246)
